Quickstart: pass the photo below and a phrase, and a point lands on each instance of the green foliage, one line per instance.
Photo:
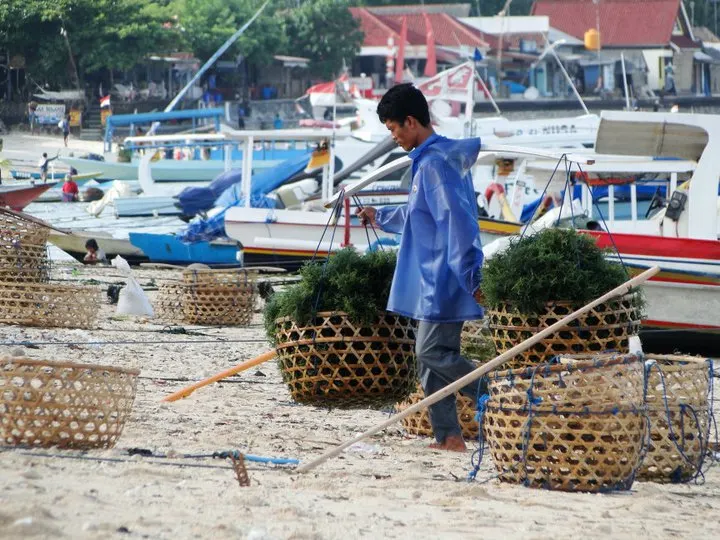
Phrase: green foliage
(555, 264)
(207, 24)
(354, 283)
(325, 32)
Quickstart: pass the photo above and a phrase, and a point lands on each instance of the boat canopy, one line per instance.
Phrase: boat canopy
(118, 120)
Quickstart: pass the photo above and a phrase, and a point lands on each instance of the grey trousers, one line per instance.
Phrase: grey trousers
(437, 348)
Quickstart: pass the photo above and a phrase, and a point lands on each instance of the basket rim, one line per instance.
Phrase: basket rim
(675, 360)
(568, 303)
(339, 312)
(6, 286)
(547, 368)
(61, 364)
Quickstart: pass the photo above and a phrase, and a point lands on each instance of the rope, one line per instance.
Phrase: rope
(218, 340)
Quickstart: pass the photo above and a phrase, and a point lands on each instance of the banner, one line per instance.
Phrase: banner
(49, 114)
(75, 118)
(104, 113)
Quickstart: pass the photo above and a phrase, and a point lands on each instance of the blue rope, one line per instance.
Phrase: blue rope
(477, 456)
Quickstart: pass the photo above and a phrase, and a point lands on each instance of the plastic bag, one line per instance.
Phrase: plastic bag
(133, 300)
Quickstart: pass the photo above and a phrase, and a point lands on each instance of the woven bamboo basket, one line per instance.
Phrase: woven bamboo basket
(24, 263)
(680, 415)
(63, 404)
(168, 304)
(229, 305)
(419, 423)
(576, 427)
(472, 334)
(15, 230)
(49, 305)
(208, 276)
(333, 362)
(606, 327)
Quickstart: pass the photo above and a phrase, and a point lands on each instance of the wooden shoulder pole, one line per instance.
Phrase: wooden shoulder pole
(185, 392)
(482, 370)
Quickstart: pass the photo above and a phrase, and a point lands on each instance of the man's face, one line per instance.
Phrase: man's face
(405, 134)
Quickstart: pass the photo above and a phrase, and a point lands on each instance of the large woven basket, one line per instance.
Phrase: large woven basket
(49, 305)
(679, 414)
(419, 422)
(213, 297)
(333, 362)
(23, 263)
(576, 427)
(18, 231)
(604, 328)
(63, 404)
(168, 302)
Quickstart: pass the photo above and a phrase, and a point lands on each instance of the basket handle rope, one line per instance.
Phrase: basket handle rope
(485, 368)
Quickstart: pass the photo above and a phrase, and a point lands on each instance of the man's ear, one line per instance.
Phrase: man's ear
(411, 122)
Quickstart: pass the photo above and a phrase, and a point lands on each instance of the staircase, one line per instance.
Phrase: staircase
(93, 122)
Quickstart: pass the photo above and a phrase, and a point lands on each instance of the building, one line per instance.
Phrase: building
(433, 31)
(655, 37)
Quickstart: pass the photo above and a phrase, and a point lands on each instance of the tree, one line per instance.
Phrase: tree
(325, 32)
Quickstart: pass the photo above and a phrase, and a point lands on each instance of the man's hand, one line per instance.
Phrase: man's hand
(367, 215)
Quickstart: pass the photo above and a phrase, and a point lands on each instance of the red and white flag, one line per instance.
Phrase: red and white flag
(105, 102)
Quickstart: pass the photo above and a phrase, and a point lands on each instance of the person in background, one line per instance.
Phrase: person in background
(66, 129)
(44, 164)
(94, 253)
(70, 191)
(440, 258)
(278, 122)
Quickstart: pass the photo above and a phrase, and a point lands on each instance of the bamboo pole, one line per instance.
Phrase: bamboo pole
(185, 392)
(482, 370)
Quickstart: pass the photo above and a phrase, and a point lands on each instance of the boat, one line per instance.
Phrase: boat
(73, 243)
(18, 196)
(682, 238)
(79, 179)
(167, 248)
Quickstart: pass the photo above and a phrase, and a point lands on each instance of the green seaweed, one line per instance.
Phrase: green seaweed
(553, 265)
(351, 282)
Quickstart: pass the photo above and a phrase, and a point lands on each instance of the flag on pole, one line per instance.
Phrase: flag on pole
(400, 63)
(105, 102)
(477, 57)
(431, 64)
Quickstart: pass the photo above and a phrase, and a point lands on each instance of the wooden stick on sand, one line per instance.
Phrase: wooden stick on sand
(482, 370)
(185, 392)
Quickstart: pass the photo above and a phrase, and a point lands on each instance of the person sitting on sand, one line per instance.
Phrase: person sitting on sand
(44, 163)
(94, 253)
(70, 191)
(440, 257)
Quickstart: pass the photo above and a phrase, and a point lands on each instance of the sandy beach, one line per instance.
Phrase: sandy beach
(392, 486)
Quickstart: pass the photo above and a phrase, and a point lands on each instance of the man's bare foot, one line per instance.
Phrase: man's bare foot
(453, 443)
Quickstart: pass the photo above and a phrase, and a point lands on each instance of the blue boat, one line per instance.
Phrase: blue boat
(167, 248)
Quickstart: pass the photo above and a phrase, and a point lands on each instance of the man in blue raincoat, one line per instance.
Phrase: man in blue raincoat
(440, 257)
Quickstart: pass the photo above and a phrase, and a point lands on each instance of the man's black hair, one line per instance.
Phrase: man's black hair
(401, 101)
(92, 244)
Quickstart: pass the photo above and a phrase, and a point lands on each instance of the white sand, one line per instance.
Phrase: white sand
(392, 487)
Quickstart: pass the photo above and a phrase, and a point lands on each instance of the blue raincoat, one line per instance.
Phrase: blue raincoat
(440, 256)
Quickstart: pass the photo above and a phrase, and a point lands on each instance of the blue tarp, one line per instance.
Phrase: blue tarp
(263, 183)
(205, 230)
(199, 199)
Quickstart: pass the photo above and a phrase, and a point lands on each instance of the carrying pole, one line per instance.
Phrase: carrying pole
(185, 392)
(485, 368)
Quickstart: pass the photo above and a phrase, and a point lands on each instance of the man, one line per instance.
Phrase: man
(65, 126)
(45, 164)
(440, 256)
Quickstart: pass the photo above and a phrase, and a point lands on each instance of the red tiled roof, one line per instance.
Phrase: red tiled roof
(448, 30)
(628, 23)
